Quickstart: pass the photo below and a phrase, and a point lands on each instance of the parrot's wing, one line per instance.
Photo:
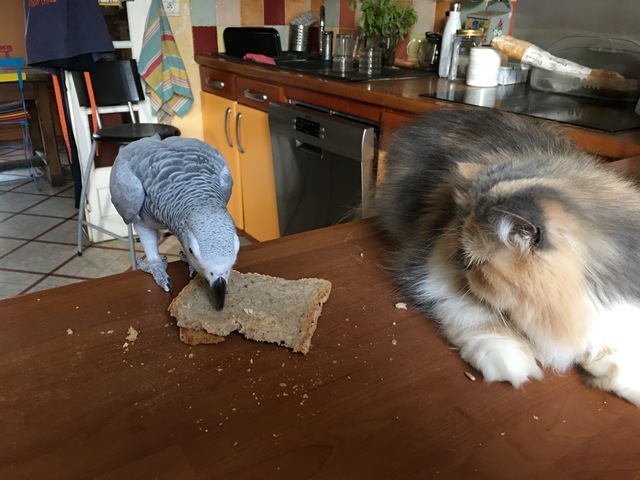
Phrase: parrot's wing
(225, 181)
(127, 192)
(213, 157)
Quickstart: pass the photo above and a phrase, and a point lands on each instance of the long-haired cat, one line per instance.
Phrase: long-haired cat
(522, 247)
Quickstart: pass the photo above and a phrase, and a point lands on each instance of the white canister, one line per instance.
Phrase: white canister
(484, 67)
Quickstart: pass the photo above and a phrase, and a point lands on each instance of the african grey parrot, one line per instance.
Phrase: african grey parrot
(183, 185)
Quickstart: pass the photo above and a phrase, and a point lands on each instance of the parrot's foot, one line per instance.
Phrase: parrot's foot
(157, 268)
(192, 271)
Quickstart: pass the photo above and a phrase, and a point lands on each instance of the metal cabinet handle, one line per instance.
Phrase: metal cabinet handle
(240, 147)
(226, 126)
(214, 83)
(256, 97)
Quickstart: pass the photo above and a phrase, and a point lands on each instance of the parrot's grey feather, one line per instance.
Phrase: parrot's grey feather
(181, 184)
(127, 193)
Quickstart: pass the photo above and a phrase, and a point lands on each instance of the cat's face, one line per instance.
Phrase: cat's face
(519, 252)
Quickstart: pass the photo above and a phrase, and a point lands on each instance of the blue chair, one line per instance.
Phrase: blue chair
(15, 113)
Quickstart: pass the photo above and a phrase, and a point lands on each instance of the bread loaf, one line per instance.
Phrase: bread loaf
(262, 308)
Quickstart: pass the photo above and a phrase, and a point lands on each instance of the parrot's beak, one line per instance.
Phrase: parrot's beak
(219, 291)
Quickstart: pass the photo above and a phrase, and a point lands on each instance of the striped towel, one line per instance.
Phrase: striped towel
(161, 67)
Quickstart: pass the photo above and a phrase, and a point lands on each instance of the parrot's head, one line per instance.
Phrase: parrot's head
(211, 245)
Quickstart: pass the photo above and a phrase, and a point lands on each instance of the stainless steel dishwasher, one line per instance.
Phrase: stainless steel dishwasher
(324, 165)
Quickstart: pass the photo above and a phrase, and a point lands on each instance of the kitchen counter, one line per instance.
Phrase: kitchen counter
(379, 395)
(412, 96)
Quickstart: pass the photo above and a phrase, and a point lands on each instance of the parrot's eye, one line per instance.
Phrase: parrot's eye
(190, 251)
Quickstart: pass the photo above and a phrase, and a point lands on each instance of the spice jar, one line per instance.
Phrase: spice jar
(462, 44)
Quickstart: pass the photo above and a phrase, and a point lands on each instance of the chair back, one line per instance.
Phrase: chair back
(114, 82)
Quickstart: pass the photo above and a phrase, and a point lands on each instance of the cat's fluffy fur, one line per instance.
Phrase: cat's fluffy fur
(522, 247)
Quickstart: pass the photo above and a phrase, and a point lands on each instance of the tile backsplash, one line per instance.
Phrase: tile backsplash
(210, 17)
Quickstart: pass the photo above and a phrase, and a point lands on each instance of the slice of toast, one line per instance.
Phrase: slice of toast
(262, 308)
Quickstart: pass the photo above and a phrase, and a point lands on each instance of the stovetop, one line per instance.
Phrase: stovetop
(312, 64)
(606, 115)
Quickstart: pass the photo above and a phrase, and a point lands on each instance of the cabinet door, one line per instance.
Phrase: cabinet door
(258, 184)
(218, 120)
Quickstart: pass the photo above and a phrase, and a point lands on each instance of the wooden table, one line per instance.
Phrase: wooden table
(379, 395)
(37, 92)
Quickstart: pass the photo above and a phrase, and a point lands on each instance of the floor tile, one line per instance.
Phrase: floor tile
(97, 262)
(53, 281)
(13, 283)
(64, 233)
(27, 226)
(8, 244)
(38, 257)
(54, 207)
(17, 202)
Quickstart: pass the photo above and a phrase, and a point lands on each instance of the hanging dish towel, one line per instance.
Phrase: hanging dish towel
(161, 67)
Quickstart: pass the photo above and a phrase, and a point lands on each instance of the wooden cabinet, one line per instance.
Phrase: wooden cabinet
(235, 122)
(218, 114)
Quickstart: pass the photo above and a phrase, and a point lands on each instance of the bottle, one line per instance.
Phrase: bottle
(446, 45)
(463, 43)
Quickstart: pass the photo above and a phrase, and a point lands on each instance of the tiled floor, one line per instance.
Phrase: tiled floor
(38, 240)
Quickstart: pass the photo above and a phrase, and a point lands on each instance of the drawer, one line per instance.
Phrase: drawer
(257, 94)
(218, 82)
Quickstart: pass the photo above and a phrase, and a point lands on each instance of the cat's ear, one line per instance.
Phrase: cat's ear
(469, 170)
(518, 231)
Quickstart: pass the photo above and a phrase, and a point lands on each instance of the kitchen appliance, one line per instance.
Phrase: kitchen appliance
(324, 165)
(520, 98)
(238, 41)
(428, 51)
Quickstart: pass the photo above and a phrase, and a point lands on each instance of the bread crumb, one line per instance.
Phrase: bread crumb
(125, 344)
(248, 311)
(69, 331)
(132, 335)
(470, 376)
(394, 342)
(282, 384)
(191, 355)
(401, 306)
(535, 417)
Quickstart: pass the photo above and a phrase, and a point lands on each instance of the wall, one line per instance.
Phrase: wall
(210, 17)
(12, 26)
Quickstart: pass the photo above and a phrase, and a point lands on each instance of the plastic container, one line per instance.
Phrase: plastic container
(484, 67)
(619, 55)
(446, 45)
(464, 41)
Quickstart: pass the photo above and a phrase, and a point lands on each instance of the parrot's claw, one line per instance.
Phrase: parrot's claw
(158, 268)
(192, 271)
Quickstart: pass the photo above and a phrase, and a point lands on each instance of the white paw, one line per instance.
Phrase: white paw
(617, 373)
(501, 359)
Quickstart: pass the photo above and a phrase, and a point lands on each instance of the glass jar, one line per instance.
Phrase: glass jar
(462, 44)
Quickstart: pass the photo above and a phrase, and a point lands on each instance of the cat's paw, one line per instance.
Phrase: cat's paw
(502, 359)
(617, 373)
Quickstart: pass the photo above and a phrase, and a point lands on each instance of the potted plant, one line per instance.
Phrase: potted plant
(385, 23)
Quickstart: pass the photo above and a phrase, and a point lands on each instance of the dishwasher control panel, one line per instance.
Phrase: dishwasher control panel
(310, 127)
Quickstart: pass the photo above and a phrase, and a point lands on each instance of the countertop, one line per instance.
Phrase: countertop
(379, 395)
(413, 96)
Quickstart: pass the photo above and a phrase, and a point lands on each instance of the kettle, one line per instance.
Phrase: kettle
(428, 51)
